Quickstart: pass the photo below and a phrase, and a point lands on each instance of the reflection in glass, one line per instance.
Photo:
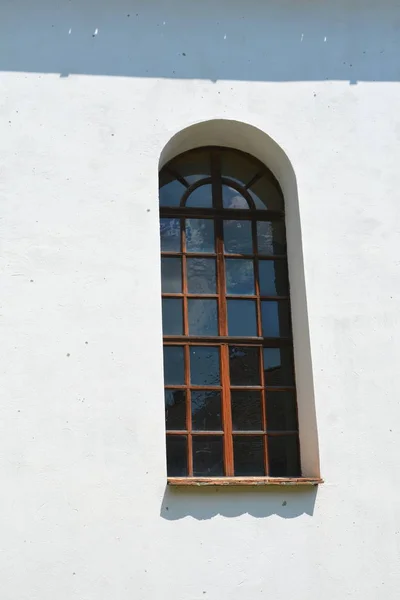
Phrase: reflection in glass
(171, 275)
(200, 235)
(231, 198)
(172, 320)
(281, 411)
(283, 456)
(201, 276)
(275, 318)
(193, 166)
(175, 409)
(206, 410)
(246, 410)
(176, 455)
(238, 237)
(170, 233)
(273, 278)
(248, 456)
(204, 365)
(239, 276)
(173, 365)
(242, 318)
(201, 197)
(278, 366)
(271, 237)
(244, 365)
(207, 456)
(171, 193)
(265, 192)
(203, 317)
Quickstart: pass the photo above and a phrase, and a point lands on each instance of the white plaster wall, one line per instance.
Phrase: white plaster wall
(89, 97)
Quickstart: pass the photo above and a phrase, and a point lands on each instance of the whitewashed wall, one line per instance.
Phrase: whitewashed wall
(90, 94)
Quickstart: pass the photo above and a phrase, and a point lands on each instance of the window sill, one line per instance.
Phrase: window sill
(240, 481)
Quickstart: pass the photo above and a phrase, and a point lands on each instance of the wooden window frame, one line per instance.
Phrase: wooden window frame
(218, 214)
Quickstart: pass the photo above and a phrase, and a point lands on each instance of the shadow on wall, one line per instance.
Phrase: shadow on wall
(257, 40)
(205, 503)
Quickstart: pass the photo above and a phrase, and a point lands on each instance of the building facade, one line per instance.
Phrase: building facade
(96, 98)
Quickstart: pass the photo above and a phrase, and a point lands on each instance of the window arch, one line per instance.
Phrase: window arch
(230, 397)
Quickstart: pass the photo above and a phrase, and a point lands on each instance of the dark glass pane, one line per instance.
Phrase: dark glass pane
(271, 237)
(206, 410)
(239, 276)
(174, 372)
(176, 456)
(273, 278)
(193, 166)
(275, 319)
(278, 366)
(172, 316)
(201, 276)
(175, 409)
(170, 233)
(203, 317)
(242, 318)
(266, 192)
(244, 366)
(171, 275)
(281, 411)
(171, 193)
(246, 410)
(238, 237)
(248, 455)
(283, 456)
(237, 166)
(204, 365)
(200, 235)
(201, 197)
(231, 198)
(207, 456)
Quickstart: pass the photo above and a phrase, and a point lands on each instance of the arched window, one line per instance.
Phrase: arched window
(230, 398)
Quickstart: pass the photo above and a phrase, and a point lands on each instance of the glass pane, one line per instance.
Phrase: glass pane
(242, 318)
(201, 197)
(176, 455)
(238, 237)
(200, 235)
(175, 409)
(239, 276)
(206, 410)
(278, 366)
(204, 365)
(283, 456)
(203, 317)
(273, 278)
(248, 455)
(171, 193)
(172, 320)
(207, 456)
(275, 318)
(171, 275)
(238, 166)
(281, 411)
(271, 237)
(201, 276)
(231, 198)
(246, 411)
(170, 233)
(265, 191)
(174, 372)
(193, 166)
(244, 365)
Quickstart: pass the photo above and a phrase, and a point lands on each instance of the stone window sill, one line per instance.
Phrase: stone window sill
(244, 481)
